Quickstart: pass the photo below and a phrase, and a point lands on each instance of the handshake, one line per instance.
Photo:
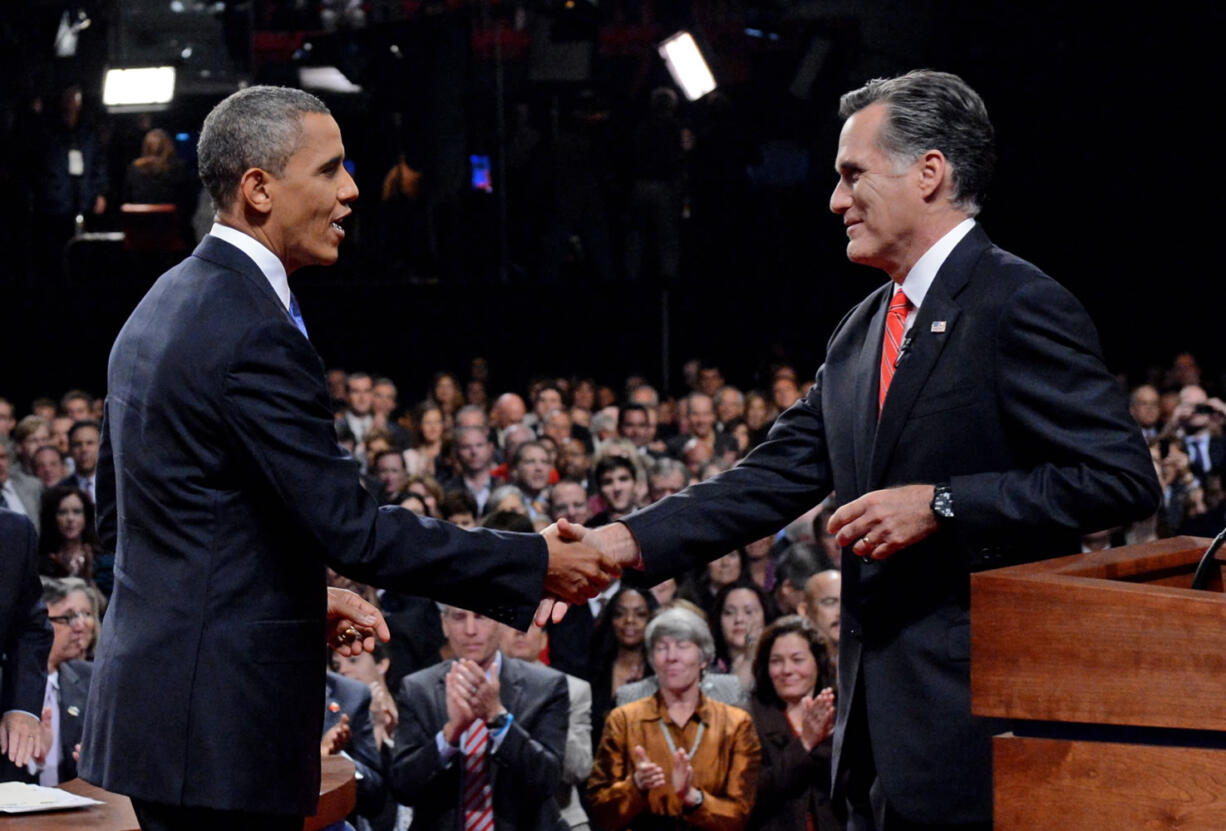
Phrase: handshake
(582, 563)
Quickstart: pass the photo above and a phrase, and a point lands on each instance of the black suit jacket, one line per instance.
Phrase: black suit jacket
(223, 492)
(792, 781)
(525, 771)
(25, 634)
(1003, 394)
(74, 690)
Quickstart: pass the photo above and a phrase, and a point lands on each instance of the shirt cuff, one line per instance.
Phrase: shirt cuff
(446, 751)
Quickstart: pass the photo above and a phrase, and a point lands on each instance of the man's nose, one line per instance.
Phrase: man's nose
(840, 198)
(349, 189)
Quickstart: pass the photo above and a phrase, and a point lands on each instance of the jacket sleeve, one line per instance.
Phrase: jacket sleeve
(1065, 408)
(615, 799)
(276, 410)
(779, 480)
(417, 776)
(532, 755)
(730, 810)
(28, 635)
(577, 761)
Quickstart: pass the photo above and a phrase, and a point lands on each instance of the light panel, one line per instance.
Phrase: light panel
(687, 66)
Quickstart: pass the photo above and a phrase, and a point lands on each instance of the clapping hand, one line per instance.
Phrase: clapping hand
(336, 737)
(817, 718)
(647, 774)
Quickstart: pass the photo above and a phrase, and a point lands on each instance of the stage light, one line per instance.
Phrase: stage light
(131, 88)
(686, 65)
(325, 79)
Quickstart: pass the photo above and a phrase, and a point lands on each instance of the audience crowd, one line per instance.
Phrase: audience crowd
(703, 702)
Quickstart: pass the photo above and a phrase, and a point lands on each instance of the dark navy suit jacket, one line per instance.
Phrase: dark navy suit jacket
(25, 634)
(223, 493)
(1003, 394)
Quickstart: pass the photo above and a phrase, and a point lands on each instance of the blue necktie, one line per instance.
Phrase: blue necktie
(296, 315)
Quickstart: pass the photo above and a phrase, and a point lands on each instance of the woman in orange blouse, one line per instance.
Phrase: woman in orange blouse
(677, 759)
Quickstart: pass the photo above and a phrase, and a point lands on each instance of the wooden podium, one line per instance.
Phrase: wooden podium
(337, 796)
(1116, 672)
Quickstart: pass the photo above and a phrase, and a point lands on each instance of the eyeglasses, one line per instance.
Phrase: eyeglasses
(69, 620)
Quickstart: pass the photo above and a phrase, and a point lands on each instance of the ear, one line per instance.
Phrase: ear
(254, 190)
(934, 173)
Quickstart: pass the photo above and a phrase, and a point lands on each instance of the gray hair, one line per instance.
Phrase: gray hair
(666, 466)
(55, 589)
(931, 110)
(260, 126)
(683, 625)
(502, 492)
(603, 422)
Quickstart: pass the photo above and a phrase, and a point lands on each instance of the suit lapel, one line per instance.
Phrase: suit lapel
(867, 382)
(933, 327)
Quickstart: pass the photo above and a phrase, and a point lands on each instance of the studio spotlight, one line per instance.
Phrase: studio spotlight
(129, 89)
(686, 64)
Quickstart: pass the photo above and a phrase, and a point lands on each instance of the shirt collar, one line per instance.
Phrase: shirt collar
(919, 278)
(268, 263)
(660, 710)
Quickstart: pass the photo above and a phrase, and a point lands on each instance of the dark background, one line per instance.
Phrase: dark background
(1109, 178)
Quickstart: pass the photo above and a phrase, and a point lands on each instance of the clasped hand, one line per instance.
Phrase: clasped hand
(579, 568)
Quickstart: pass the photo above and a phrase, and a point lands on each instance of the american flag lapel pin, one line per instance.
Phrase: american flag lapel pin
(938, 326)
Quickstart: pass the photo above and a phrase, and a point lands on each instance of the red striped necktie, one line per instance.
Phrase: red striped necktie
(478, 796)
(895, 320)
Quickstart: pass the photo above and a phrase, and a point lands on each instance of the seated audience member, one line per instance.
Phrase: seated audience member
(577, 761)
(389, 469)
(69, 543)
(423, 455)
(619, 649)
(25, 639)
(471, 415)
(713, 468)
(49, 466)
(701, 587)
(530, 472)
(413, 502)
(482, 734)
(694, 454)
(370, 668)
(758, 417)
(384, 398)
(742, 610)
(821, 607)
(568, 500)
(71, 613)
(77, 405)
(475, 454)
(428, 488)
(634, 423)
(729, 405)
(507, 498)
(677, 758)
(793, 711)
(666, 477)
(741, 440)
(31, 433)
(445, 393)
(60, 427)
(795, 566)
(574, 462)
(759, 565)
(459, 508)
(19, 492)
(348, 729)
(616, 477)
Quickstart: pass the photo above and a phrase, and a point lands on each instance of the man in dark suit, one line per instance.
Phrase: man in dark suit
(349, 729)
(479, 736)
(965, 420)
(223, 492)
(25, 640)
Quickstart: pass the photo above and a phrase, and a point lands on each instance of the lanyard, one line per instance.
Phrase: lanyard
(668, 738)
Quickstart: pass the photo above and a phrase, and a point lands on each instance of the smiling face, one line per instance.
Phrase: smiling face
(311, 197)
(678, 663)
(876, 196)
(725, 570)
(617, 488)
(792, 667)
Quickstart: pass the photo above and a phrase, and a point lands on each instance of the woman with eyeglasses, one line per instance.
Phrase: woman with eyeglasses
(69, 543)
(71, 612)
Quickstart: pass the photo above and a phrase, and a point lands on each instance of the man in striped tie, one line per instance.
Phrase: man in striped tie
(481, 737)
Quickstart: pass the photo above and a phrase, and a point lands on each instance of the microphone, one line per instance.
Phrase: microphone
(904, 346)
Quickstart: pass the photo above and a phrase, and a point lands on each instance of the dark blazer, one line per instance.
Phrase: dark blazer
(25, 634)
(224, 494)
(352, 698)
(74, 690)
(1003, 394)
(792, 781)
(525, 771)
